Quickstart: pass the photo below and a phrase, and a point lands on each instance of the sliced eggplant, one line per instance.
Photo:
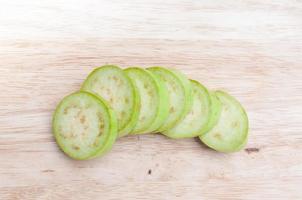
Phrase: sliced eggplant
(84, 126)
(201, 117)
(154, 100)
(112, 83)
(231, 131)
(179, 94)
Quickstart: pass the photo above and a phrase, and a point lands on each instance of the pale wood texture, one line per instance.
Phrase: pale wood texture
(253, 49)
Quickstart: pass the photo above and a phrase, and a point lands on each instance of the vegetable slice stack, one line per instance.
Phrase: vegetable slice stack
(84, 126)
(114, 102)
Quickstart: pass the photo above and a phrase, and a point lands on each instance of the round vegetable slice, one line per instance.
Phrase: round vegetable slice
(84, 126)
(113, 84)
(179, 94)
(231, 131)
(154, 100)
(201, 117)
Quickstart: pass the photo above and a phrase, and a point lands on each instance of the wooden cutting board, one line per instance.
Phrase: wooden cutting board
(252, 49)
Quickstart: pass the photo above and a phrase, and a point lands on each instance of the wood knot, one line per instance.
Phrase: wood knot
(252, 150)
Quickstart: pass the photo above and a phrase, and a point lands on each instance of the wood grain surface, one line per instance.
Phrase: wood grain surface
(252, 49)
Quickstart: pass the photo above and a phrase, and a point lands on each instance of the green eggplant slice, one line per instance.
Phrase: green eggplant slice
(231, 131)
(179, 94)
(154, 100)
(112, 83)
(84, 126)
(202, 116)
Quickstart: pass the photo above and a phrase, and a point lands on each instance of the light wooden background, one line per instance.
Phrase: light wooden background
(252, 49)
